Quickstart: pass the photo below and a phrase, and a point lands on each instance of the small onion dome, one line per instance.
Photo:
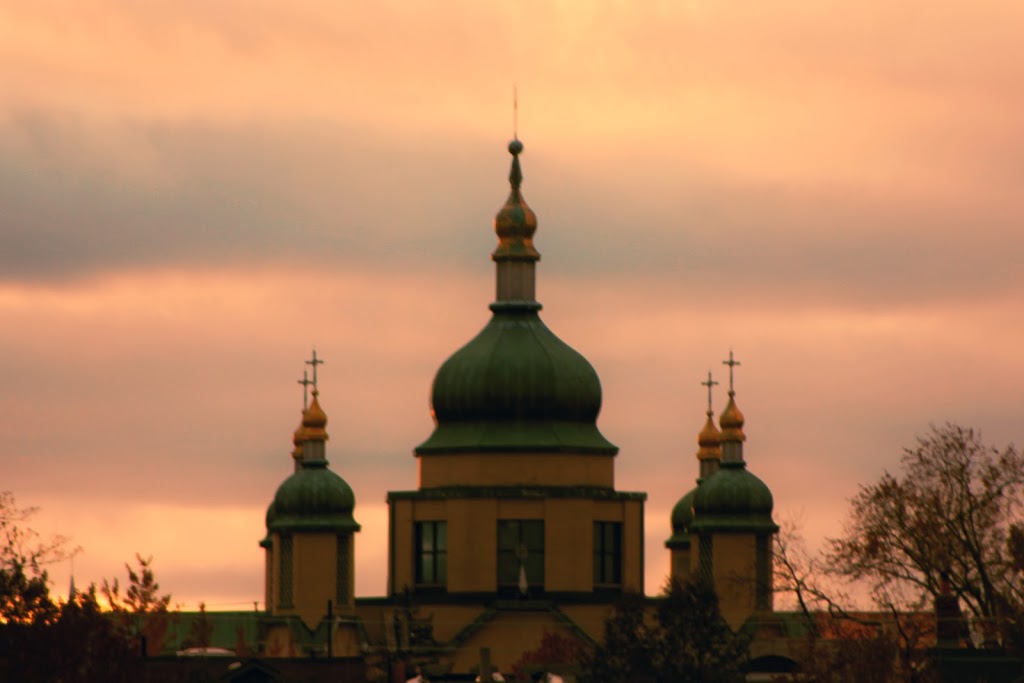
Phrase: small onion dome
(267, 542)
(682, 518)
(733, 499)
(732, 421)
(709, 440)
(314, 420)
(313, 499)
(515, 222)
(297, 439)
(515, 387)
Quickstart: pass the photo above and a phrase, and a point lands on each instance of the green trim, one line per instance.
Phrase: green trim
(600, 596)
(576, 629)
(473, 626)
(678, 543)
(336, 523)
(515, 436)
(734, 525)
(538, 492)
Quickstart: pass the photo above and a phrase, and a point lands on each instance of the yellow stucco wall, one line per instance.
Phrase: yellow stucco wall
(734, 574)
(472, 539)
(569, 544)
(472, 545)
(516, 469)
(679, 563)
(401, 564)
(315, 575)
(633, 545)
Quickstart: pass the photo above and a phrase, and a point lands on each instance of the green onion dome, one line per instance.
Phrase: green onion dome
(313, 499)
(516, 386)
(682, 518)
(733, 499)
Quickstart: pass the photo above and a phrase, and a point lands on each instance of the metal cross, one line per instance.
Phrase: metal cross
(305, 382)
(710, 383)
(732, 363)
(315, 362)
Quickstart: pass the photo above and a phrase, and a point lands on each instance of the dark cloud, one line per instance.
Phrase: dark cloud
(186, 195)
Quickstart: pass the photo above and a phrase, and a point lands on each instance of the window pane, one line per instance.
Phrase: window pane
(426, 569)
(533, 535)
(508, 535)
(426, 532)
(441, 539)
(508, 568)
(442, 568)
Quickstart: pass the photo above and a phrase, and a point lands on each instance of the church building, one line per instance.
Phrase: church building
(516, 527)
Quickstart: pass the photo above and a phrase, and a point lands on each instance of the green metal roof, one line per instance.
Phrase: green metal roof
(313, 499)
(516, 387)
(682, 517)
(733, 499)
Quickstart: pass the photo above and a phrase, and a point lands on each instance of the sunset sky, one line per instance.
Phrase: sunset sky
(194, 194)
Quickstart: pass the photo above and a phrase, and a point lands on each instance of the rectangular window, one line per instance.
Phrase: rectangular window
(431, 553)
(607, 553)
(521, 556)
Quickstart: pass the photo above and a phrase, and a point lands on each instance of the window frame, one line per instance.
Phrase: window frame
(437, 553)
(529, 535)
(607, 554)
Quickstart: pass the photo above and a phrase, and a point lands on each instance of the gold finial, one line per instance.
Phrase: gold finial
(710, 437)
(314, 420)
(516, 222)
(298, 438)
(732, 419)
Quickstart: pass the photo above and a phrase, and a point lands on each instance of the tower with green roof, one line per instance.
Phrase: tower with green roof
(732, 525)
(310, 541)
(709, 455)
(516, 495)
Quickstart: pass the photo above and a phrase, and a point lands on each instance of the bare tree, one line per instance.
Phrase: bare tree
(950, 516)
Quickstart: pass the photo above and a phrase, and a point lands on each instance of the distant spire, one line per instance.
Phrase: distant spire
(710, 439)
(732, 363)
(515, 111)
(306, 382)
(709, 384)
(315, 362)
(731, 421)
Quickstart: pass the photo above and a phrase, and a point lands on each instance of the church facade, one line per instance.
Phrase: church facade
(516, 527)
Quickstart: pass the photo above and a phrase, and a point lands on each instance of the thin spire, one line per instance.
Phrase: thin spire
(305, 382)
(732, 363)
(515, 111)
(731, 421)
(315, 362)
(709, 384)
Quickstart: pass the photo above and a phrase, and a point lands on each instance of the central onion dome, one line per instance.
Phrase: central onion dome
(516, 386)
